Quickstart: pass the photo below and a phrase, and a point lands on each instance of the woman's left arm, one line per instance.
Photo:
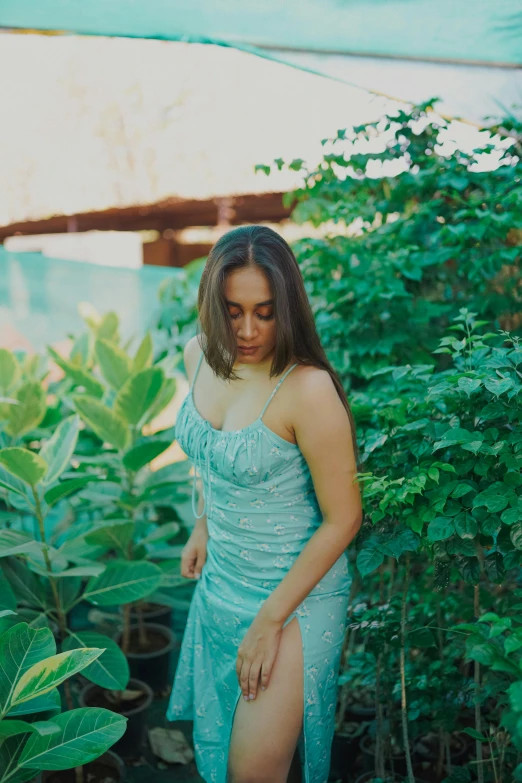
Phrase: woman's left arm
(324, 436)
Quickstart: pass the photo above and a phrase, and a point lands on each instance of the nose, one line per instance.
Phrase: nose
(247, 329)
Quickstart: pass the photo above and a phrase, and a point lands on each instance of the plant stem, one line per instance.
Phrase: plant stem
(404, 708)
(60, 616)
(379, 754)
(142, 631)
(126, 629)
(478, 743)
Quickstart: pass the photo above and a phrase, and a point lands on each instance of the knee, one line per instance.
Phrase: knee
(263, 771)
(250, 774)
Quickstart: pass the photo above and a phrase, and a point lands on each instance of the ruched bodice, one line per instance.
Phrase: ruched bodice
(261, 510)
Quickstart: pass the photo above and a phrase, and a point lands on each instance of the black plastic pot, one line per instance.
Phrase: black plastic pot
(458, 756)
(344, 753)
(107, 765)
(399, 759)
(130, 745)
(358, 713)
(162, 615)
(367, 776)
(152, 667)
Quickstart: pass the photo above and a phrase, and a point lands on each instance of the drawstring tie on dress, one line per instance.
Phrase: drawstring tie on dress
(198, 468)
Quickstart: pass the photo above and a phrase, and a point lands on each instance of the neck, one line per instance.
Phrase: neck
(248, 370)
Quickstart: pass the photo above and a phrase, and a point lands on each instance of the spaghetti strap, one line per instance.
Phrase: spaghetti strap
(276, 388)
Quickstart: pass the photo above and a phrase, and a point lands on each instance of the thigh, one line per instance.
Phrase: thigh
(266, 729)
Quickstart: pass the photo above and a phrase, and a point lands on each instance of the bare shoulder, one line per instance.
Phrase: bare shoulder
(191, 354)
(315, 401)
(312, 386)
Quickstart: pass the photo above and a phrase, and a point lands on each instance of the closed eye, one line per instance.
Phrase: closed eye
(261, 317)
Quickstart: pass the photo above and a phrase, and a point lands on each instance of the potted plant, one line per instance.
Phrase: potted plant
(30, 675)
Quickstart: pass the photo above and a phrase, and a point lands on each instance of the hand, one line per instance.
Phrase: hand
(256, 655)
(194, 554)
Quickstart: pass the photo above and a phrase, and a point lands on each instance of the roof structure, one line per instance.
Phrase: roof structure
(93, 124)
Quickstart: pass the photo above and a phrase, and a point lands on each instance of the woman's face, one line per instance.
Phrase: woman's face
(249, 301)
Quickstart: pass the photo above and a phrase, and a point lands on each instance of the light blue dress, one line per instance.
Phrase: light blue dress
(261, 510)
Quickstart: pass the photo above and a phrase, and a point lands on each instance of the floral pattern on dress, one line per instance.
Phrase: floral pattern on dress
(263, 511)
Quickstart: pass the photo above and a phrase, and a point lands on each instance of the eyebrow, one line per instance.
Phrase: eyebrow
(259, 304)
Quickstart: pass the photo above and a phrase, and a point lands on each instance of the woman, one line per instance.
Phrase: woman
(280, 506)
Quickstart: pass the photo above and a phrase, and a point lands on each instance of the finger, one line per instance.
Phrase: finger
(243, 679)
(253, 678)
(239, 664)
(199, 566)
(188, 565)
(266, 670)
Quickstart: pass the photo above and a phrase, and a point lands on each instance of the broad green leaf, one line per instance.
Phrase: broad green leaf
(10, 751)
(108, 326)
(24, 584)
(49, 673)
(515, 695)
(81, 377)
(516, 535)
(166, 394)
(10, 728)
(138, 394)
(114, 363)
(86, 570)
(10, 371)
(84, 734)
(117, 534)
(13, 484)
(483, 653)
(29, 413)
(111, 669)
(513, 642)
(123, 583)
(21, 648)
(139, 456)
(82, 350)
(511, 515)
(49, 702)
(13, 542)
(369, 558)
(475, 734)
(461, 490)
(498, 386)
(494, 501)
(440, 529)
(144, 354)
(23, 464)
(469, 385)
(7, 597)
(106, 423)
(58, 450)
(465, 525)
(77, 550)
(162, 532)
(65, 488)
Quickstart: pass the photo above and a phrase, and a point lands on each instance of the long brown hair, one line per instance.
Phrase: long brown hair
(296, 335)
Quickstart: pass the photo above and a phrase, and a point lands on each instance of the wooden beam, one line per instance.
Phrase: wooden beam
(171, 213)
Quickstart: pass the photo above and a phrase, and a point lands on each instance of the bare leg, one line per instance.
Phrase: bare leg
(294, 776)
(266, 730)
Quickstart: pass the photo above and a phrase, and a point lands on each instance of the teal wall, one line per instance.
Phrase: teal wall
(39, 296)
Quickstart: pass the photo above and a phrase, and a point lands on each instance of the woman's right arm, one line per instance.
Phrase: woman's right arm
(195, 550)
